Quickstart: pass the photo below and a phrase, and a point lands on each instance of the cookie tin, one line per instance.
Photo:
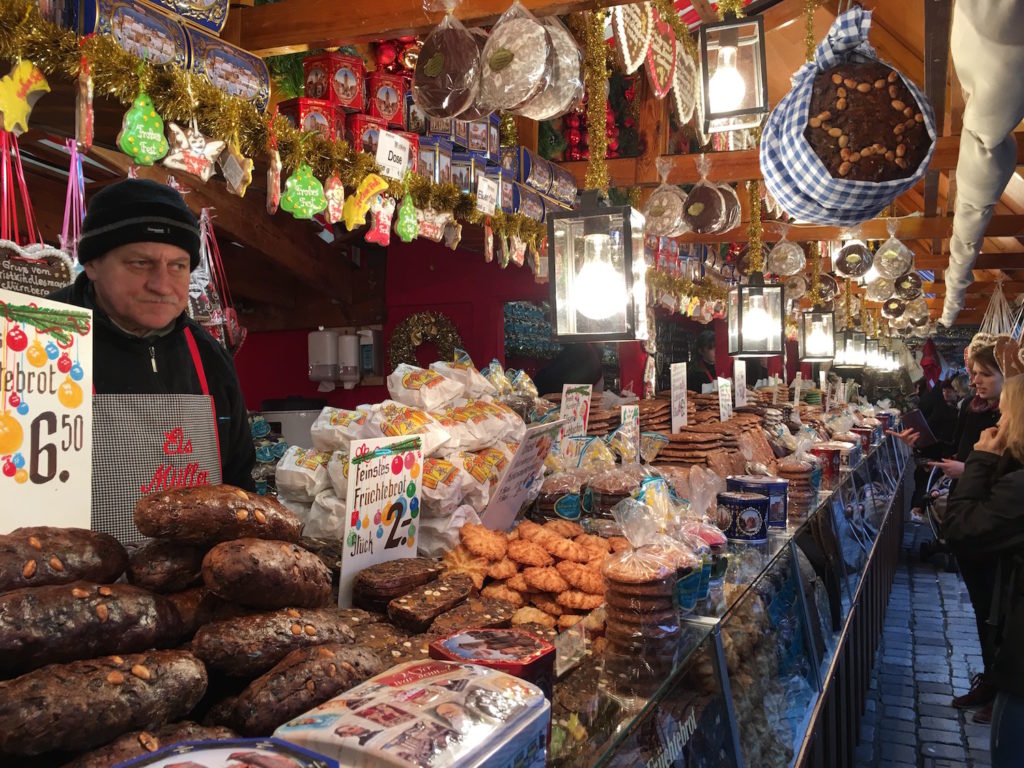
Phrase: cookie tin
(142, 29)
(849, 454)
(534, 170)
(505, 182)
(415, 118)
(866, 435)
(513, 651)
(509, 159)
(478, 136)
(230, 69)
(563, 185)
(494, 138)
(527, 202)
(337, 77)
(775, 488)
(828, 460)
(462, 171)
(456, 131)
(385, 94)
(744, 516)
(315, 115)
(363, 132)
(211, 15)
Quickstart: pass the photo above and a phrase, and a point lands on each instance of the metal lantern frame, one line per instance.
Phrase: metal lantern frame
(807, 319)
(871, 353)
(717, 122)
(633, 269)
(739, 295)
(857, 339)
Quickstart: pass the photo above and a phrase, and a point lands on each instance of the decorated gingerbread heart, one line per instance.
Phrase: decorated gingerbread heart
(632, 26)
(661, 57)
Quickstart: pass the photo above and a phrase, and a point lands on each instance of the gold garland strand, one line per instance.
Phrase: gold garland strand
(670, 15)
(810, 39)
(815, 293)
(589, 28)
(178, 95)
(508, 131)
(754, 247)
(725, 7)
(705, 289)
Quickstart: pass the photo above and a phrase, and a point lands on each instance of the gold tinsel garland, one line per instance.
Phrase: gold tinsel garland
(810, 40)
(179, 96)
(659, 282)
(670, 15)
(754, 246)
(725, 7)
(814, 254)
(590, 28)
(420, 328)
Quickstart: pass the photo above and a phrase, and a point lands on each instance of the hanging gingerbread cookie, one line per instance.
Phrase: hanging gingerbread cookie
(192, 152)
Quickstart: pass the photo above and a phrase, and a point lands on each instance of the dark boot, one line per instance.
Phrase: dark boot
(984, 715)
(982, 692)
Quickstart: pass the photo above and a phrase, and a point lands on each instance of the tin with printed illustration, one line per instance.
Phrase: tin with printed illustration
(743, 516)
(775, 488)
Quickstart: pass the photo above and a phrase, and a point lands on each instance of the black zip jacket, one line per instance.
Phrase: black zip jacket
(124, 365)
(985, 517)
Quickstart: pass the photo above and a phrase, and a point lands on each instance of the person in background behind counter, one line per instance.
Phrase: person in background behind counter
(701, 368)
(168, 409)
(578, 363)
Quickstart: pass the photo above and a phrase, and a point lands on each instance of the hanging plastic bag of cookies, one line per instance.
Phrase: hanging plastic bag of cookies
(663, 212)
(704, 210)
(446, 80)
(786, 258)
(893, 259)
(516, 64)
(651, 444)
(564, 89)
(495, 374)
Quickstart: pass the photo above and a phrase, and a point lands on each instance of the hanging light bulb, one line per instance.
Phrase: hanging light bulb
(599, 289)
(817, 340)
(757, 323)
(727, 87)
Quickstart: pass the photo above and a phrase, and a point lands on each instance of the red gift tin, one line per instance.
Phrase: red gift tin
(513, 651)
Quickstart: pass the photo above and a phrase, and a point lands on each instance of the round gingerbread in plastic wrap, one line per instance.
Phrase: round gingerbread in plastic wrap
(565, 85)
(796, 287)
(478, 109)
(516, 60)
(853, 260)
(733, 212)
(447, 76)
(664, 211)
(909, 286)
(880, 289)
(785, 259)
(893, 258)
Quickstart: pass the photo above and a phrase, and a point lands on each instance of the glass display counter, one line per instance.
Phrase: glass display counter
(756, 657)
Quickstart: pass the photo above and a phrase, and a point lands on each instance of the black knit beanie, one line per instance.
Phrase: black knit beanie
(138, 211)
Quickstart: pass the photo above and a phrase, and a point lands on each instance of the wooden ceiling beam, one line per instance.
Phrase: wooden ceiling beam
(1007, 261)
(938, 19)
(741, 165)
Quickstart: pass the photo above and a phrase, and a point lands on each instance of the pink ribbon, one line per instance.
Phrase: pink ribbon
(12, 183)
(74, 204)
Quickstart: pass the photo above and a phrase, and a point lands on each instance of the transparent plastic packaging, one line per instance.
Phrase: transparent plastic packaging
(462, 370)
(423, 388)
(302, 473)
(705, 208)
(909, 286)
(893, 258)
(664, 209)
(447, 76)
(516, 61)
(478, 109)
(880, 289)
(565, 84)
(786, 258)
(853, 260)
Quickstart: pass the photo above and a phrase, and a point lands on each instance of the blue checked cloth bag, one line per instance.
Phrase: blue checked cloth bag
(794, 174)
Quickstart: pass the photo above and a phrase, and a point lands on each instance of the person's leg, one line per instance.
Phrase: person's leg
(979, 577)
(1007, 738)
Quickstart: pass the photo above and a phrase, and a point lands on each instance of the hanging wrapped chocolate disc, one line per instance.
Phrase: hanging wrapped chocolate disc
(880, 289)
(854, 260)
(909, 286)
(447, 75)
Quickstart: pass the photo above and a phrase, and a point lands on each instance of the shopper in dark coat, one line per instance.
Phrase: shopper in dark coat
(985, 516)
(701, 368)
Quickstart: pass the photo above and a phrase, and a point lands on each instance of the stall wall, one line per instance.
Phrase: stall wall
(420, 276)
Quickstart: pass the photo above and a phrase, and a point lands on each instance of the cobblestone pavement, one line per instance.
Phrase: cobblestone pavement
(929, 651)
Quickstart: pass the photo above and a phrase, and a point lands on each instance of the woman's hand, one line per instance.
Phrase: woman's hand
(908, 436)
(949, 467)
(991, 441)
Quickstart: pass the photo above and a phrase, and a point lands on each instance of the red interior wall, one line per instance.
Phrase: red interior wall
(420, 276)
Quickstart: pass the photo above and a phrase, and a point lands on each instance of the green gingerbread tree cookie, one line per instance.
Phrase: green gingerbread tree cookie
(303, 194)
(408, 225)
(142, 132)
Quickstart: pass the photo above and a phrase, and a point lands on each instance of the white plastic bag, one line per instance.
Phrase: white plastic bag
(302, 473)
(337, 471)
(439, 535)
(422, 388)
(334, 427)
(326, 519)
(397, 420)
(462, 370)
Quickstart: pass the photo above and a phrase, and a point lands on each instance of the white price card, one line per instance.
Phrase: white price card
(383, 500)
(739, 378)
(679, 405)
(523, 470)
(45, 412)
(393, 154)
(797, 384)
(486, 195)
(575, 409)
(724, 399)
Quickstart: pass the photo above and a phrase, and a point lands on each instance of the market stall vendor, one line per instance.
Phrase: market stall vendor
(167, 408)
(701, 368)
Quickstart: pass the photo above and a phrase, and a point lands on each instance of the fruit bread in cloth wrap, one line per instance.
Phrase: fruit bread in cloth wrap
(214, 513)
(811, 158)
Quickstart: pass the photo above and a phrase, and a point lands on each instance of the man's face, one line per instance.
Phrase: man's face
(142, 286)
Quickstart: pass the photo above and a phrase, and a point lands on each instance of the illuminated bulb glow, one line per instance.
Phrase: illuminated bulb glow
(726, 87)
(757, 323)
(599, 291)
(817, 339)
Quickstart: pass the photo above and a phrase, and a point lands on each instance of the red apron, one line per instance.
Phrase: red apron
(144, 444)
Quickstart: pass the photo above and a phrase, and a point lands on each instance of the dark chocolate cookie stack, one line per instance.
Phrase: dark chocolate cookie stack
(865, 124)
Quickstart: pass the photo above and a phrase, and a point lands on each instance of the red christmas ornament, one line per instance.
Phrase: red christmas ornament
(611, 132)
(572, 120)
(17, 341)
(385, 54)
(572, 153)
(64, 363)
(629, 122)
(9, 468)
(573, 136)
(584, 154)
(613, 147)
(14, 400)
(630, 93)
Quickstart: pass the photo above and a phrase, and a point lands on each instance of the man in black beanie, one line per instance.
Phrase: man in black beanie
(168, 410)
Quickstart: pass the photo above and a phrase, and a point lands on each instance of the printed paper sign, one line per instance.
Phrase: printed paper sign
(45, 412)
(724, 399)
(775, 391)
(630, 415)
(486, 195)
(822, 379)
(739, 378)
(526, 465)
(677, 372)
(797, 383)
(393, 154)
(384, 506)
(575, 408)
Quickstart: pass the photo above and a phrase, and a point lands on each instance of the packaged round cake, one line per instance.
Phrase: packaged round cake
(516, 63)
(786, 258)
(909, 286)
(447, 75)
(733, 212)
(893, 307)
(565, 85)
(478, 109)
(705, 210)
(893, 258)
(879, 289)
(853, 260)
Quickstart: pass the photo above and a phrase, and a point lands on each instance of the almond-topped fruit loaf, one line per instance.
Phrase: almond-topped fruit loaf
(267, 574)
(36, 557)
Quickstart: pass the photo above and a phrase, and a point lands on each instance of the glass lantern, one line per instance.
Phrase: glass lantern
(816, 339)
(733, 73)
(850, 346)
(597, 273)
(872, 356)
(756, 319)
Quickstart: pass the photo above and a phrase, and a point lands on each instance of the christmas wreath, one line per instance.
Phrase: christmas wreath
(419, 328)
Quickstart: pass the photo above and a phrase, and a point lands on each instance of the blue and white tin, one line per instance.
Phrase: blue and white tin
(775, 488)
(230, 69)
(148, 32)
(743, 516)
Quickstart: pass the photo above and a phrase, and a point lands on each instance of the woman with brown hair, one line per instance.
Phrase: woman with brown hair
(985, 516)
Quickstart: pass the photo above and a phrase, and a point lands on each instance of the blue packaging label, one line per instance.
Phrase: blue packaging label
(686, 592)
(588, 501)
(705, 579)
(568, 506)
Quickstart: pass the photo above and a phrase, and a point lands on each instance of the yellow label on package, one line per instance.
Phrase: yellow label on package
(310, 458)
(437, 472)
(421, 379)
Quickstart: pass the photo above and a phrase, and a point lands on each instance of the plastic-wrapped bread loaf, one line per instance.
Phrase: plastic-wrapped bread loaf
(84, 704)
(36, 557)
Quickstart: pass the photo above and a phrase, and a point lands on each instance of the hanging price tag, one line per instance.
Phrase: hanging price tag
(678, 376)
(630, 419)
(797, 383)
(393, 154)
(486, 195)
(724, 399)
(739, 378)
